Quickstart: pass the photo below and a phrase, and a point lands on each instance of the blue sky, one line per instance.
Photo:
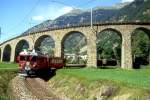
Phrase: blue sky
(19, 15)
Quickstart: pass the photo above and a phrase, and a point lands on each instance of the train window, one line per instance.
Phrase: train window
(24, 58)
(34, 58)
(53, 61)
(27, 58)
(56, 61)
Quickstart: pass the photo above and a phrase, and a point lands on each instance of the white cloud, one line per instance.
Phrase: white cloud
(37, 18)
(127, 1)
(50, 12)
(66, 9)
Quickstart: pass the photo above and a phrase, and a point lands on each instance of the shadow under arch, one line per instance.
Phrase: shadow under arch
(113, 30)
(21, 45)
(109, 47)
(140, 46)
(147, 31)
(45, 44)
(74, 49)
(7, 53)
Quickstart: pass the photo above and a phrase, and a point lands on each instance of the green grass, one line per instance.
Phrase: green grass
(6, 65)
(139, 78)
(5, 77)
(7, 72)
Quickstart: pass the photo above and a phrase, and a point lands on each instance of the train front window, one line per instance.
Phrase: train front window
(24, 58)
(33, 58)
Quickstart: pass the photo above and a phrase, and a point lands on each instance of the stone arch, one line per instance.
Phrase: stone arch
(114, 49)
(147, 31)
(7, 53)
(111, 29)
(77, 47)
(141, 57)
(22, 44)
(45, 44)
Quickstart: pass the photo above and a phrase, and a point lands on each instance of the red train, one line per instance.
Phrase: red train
(30, 63)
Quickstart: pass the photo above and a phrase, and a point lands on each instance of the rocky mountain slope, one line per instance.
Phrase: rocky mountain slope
(139, 10)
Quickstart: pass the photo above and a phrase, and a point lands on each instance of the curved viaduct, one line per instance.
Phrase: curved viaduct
(125, 30)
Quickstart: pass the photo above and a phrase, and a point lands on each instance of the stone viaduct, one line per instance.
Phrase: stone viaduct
(125, 30)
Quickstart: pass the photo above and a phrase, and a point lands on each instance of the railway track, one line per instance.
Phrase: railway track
(39, 89)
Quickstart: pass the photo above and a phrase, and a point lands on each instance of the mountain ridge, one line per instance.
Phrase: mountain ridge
(136, 11)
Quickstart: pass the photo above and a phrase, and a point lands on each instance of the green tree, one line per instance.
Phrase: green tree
(109, 45)
(140, 46)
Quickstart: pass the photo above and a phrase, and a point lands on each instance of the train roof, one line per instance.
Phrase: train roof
(28, 53)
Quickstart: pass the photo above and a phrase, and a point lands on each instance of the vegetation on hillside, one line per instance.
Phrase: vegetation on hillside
(95, 84)
(5, 77)
(74, 46)
(45, 45)
(140, 48)
(109, 45)
(125, 77)
(8, 65)
(138, 10)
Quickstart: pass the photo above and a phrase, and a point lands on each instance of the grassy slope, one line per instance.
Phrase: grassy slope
(7, 72)
(131, 78)
(6, 65)
(134, 78)
(5, 77)
(80, 84)
(138, 78)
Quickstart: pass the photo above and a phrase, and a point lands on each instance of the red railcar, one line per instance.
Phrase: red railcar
(32, 62)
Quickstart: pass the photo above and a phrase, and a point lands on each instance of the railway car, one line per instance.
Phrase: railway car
(30, 63)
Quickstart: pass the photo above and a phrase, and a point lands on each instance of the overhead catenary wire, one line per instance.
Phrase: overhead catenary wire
(85, 4)
(62, 3)
(26, 16)
(36, 4)
(0, 33)
(79, 6)
(75, 7)
(89, 1)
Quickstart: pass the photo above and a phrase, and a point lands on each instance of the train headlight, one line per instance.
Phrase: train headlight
(21, 65)
(34, 65)
(27, 63)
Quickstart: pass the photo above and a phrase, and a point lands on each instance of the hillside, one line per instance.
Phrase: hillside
(75, 17)
(139, 10)
(98, 84)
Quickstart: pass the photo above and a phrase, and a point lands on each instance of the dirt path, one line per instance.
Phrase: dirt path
(40, 89)
(31, 89)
